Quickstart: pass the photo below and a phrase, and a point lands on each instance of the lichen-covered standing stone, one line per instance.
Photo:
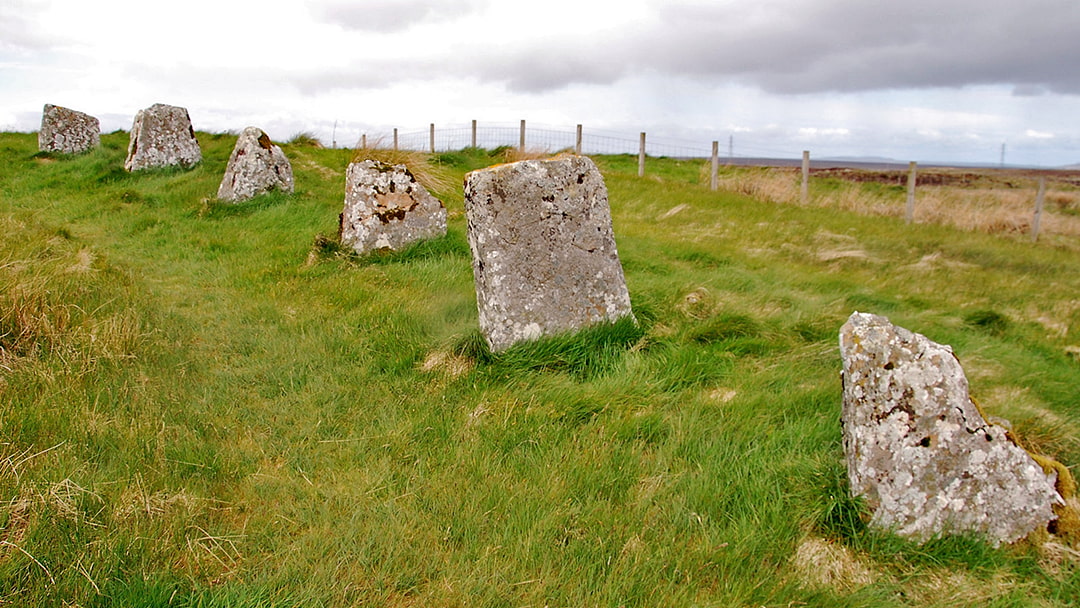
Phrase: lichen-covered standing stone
(544, 255)
(919, 451)
(67, 131)
(386, 208)
(162, 136)
(256, 166)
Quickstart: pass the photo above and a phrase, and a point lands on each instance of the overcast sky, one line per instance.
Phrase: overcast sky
(925, 80)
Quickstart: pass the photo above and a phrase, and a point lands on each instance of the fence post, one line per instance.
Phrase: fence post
(363, 141)
(804, 191)
(395, 138)
(909, 215)
(641, 157)
(521, 140)
(474, 133)
(577, 145)
(715, 165)
(1035, 223)
(432, 138)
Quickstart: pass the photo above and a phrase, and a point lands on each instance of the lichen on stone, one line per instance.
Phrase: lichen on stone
(255, 166)
(386, 208)
(920, 452)
(544, 255)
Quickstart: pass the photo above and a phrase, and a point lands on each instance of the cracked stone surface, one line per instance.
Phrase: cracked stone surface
(162, 136)
(386, 208)
(918, 449)
(256, 166)
(544, 255)
(67, 131)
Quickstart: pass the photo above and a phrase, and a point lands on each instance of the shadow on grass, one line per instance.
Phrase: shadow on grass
(584, 354)
(452, 245)
(213, 209)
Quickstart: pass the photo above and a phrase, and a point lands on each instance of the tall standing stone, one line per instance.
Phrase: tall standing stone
(386, 208)
(256, 166)
(544, 255)
(162, 136)
(918, 449)
(67, 131)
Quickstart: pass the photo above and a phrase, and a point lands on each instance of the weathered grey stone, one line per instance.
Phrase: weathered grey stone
(386, 208)
(544, 255)
(162, 136)
(67, 131)
(918, 449)
(256, 166)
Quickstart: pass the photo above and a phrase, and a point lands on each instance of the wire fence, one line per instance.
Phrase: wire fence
(585, 140)
(439, 138)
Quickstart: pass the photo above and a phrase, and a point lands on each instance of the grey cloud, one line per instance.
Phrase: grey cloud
(388, 16)
(531, 72)
(780, 46)
(788, 46)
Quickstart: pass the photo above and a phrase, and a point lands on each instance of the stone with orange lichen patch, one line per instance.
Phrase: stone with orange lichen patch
(255, 166)
(386, 208)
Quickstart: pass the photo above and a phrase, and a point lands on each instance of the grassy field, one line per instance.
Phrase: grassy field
(208, 405)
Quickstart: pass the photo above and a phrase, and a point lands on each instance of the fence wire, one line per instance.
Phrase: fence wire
(541, 139)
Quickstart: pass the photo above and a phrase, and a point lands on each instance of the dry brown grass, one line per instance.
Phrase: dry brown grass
(990, 203)
(429, 173)
(513, 155)
(770, 184)
(821, 564)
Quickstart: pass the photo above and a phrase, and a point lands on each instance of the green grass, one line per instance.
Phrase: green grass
(210, 405)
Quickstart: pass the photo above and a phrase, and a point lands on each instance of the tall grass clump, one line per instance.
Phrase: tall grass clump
(426, 169)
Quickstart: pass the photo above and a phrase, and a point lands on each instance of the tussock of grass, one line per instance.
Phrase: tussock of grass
(511, 154)
(305, 139)
(586, 353)
(423, 167)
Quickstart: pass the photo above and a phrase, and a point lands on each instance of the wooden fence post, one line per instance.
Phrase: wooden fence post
(804, 191)
(912, 178)
(474, 133)
(713, 181)
(521, 140)
(363, 141)
(641, 157)
(1037, 220)
(395, 138)
(577, 145)
(432, 138)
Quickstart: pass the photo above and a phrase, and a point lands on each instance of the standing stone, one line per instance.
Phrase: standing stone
(386, 208)
(67, 131)
(918, 449)
(544, 255)
(162, 136)
(255, 166)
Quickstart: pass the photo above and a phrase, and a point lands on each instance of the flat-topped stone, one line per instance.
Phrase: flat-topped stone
(386, 208)
(162, 136)
(256, 165)
(544, 255)
(920, 452)
(67, 131)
